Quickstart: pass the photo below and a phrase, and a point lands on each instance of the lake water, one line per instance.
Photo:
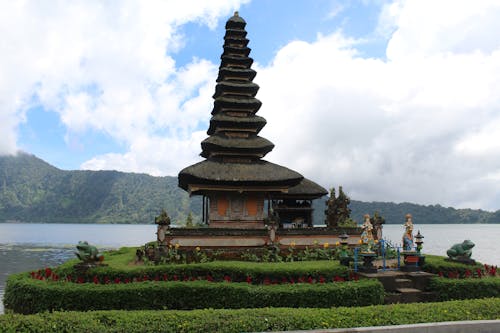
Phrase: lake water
(25, 247)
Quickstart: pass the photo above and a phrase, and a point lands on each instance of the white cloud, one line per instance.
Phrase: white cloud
(103, 65)
(421, 126)
(157, 156)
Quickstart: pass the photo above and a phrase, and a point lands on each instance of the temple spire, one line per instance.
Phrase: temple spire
(234, 125)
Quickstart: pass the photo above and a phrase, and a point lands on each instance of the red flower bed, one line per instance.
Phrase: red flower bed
(486, 270)
(48, 275)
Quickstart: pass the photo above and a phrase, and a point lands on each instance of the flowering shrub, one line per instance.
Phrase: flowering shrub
(27, 295)
(453, 288)
(444, 268)
(48, 275)
(485, 271)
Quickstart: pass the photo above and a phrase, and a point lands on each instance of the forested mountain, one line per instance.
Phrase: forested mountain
(434, 214)
(32, 190)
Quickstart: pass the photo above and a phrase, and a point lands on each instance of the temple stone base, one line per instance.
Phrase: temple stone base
(238, 224)
(255, 238)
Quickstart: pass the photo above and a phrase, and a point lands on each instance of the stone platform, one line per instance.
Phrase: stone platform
(231, 238)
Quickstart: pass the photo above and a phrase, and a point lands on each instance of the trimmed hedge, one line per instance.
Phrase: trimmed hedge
(26, 295)
(453, 289)
(237, 271)
(254, 320)
(437, 264)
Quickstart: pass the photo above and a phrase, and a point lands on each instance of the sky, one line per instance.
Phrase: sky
(394, 100)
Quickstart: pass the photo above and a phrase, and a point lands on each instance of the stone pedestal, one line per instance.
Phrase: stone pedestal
(466, 261)
(411, 262)
(367, 266)
(345, 261)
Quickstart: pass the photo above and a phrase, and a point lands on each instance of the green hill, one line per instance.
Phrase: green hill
(433, 214)
(32, 190)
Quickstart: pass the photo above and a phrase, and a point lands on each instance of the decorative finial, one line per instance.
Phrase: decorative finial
(236, 13)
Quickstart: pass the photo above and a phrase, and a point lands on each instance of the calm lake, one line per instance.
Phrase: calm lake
(26, 247)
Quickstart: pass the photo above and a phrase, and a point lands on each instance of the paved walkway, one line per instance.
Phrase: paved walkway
(475, 326)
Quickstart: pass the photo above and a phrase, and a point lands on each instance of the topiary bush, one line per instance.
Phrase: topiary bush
(235, 271)
(251, 320)
(24, 294)
(439, 265)
(452, 289)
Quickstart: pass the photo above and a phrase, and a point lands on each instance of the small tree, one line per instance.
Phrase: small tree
(189, 221)
(163, 218)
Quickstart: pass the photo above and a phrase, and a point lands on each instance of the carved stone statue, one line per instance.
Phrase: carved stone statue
(343, 211)
(337, 211)
(87, 253)
(408, 235)
(163, 218)
(163, 222)
(331, 210)
(461, 251)
(367, 234)
(377, 221)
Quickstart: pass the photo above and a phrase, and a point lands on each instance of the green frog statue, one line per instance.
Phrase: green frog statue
(87, 253)
(461, 252)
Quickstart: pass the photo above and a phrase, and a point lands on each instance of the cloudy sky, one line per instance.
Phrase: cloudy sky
(394, 100)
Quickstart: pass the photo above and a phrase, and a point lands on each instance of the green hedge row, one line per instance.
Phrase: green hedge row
(26, 295)
(237, 271)
(453, 289)
(251, 320)
(438, 265)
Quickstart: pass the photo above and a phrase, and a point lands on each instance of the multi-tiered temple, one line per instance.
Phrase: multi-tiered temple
(247, 201)
(239, 188)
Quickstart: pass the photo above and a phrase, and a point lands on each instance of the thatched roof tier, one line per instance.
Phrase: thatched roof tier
(236, 50)
(236, 42)
(234, 89)
(235, 33)
(242, 104)
(234, 61)
(306, 189)
(254, 145)
(235, 22)
(238, 74)
(221, 120)
(238, 174)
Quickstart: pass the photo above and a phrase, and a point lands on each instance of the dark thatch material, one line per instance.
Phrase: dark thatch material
(237, 34)
(242, 51)
(238, 174)
(231, 72)
(236, 104)
(306, 189)
(225, 87)
(242, 62)
(235, 22)
(236, 144)
(221, 120)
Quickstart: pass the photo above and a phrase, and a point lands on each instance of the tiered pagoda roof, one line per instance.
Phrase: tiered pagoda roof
(234, 126)
(234, 150)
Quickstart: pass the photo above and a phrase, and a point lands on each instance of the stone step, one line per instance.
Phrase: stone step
(409, 295)
(403, 283)
(392, 298)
